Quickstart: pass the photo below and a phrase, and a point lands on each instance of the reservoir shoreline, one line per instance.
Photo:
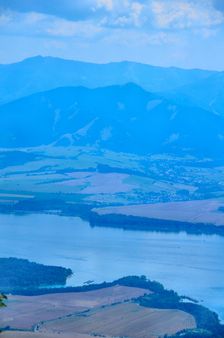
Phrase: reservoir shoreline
(105, 253)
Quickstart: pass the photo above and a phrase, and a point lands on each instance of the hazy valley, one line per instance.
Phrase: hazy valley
(88, 151)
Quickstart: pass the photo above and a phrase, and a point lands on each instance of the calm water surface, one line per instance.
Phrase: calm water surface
(192, 265)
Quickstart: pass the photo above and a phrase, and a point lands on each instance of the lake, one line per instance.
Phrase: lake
(190, 264)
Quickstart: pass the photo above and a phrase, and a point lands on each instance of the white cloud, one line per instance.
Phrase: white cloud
(138, 38)
(172, 138)
(160, 14)
(182, 14)
(107, 4)
(5, 19)
(37, 24)
(136, 10)
(145, 15)
(125, 13)
(32, 18)
(64, 28)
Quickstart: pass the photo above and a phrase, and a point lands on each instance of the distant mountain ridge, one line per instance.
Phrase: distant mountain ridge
(38, 74)
(206, 93)
(121, 118)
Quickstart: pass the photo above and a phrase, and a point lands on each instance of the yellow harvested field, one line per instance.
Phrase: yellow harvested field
(18, 334)
(24, 312)
(204, 211)
(122, 320)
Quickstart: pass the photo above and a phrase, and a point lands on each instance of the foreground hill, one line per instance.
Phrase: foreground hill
(44, 73)
(138, 306)
(119, 118)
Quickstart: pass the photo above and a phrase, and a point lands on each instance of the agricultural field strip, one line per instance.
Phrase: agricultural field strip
(187, 211)
(132, 320)
(25, 312)
(141, 175)
(17, 334)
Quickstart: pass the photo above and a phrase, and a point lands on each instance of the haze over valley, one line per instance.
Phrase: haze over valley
(111, 169)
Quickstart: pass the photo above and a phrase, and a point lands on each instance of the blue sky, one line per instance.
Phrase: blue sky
(183, 33)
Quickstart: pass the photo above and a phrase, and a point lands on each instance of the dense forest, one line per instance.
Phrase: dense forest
(128, 222)
(208, 324)
(195, 333)
(22, 274)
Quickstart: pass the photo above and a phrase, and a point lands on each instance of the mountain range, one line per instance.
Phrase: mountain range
(44, 73)
(123, 106)
(120, 118)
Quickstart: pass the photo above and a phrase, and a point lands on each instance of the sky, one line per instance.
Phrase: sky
(181, 33)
